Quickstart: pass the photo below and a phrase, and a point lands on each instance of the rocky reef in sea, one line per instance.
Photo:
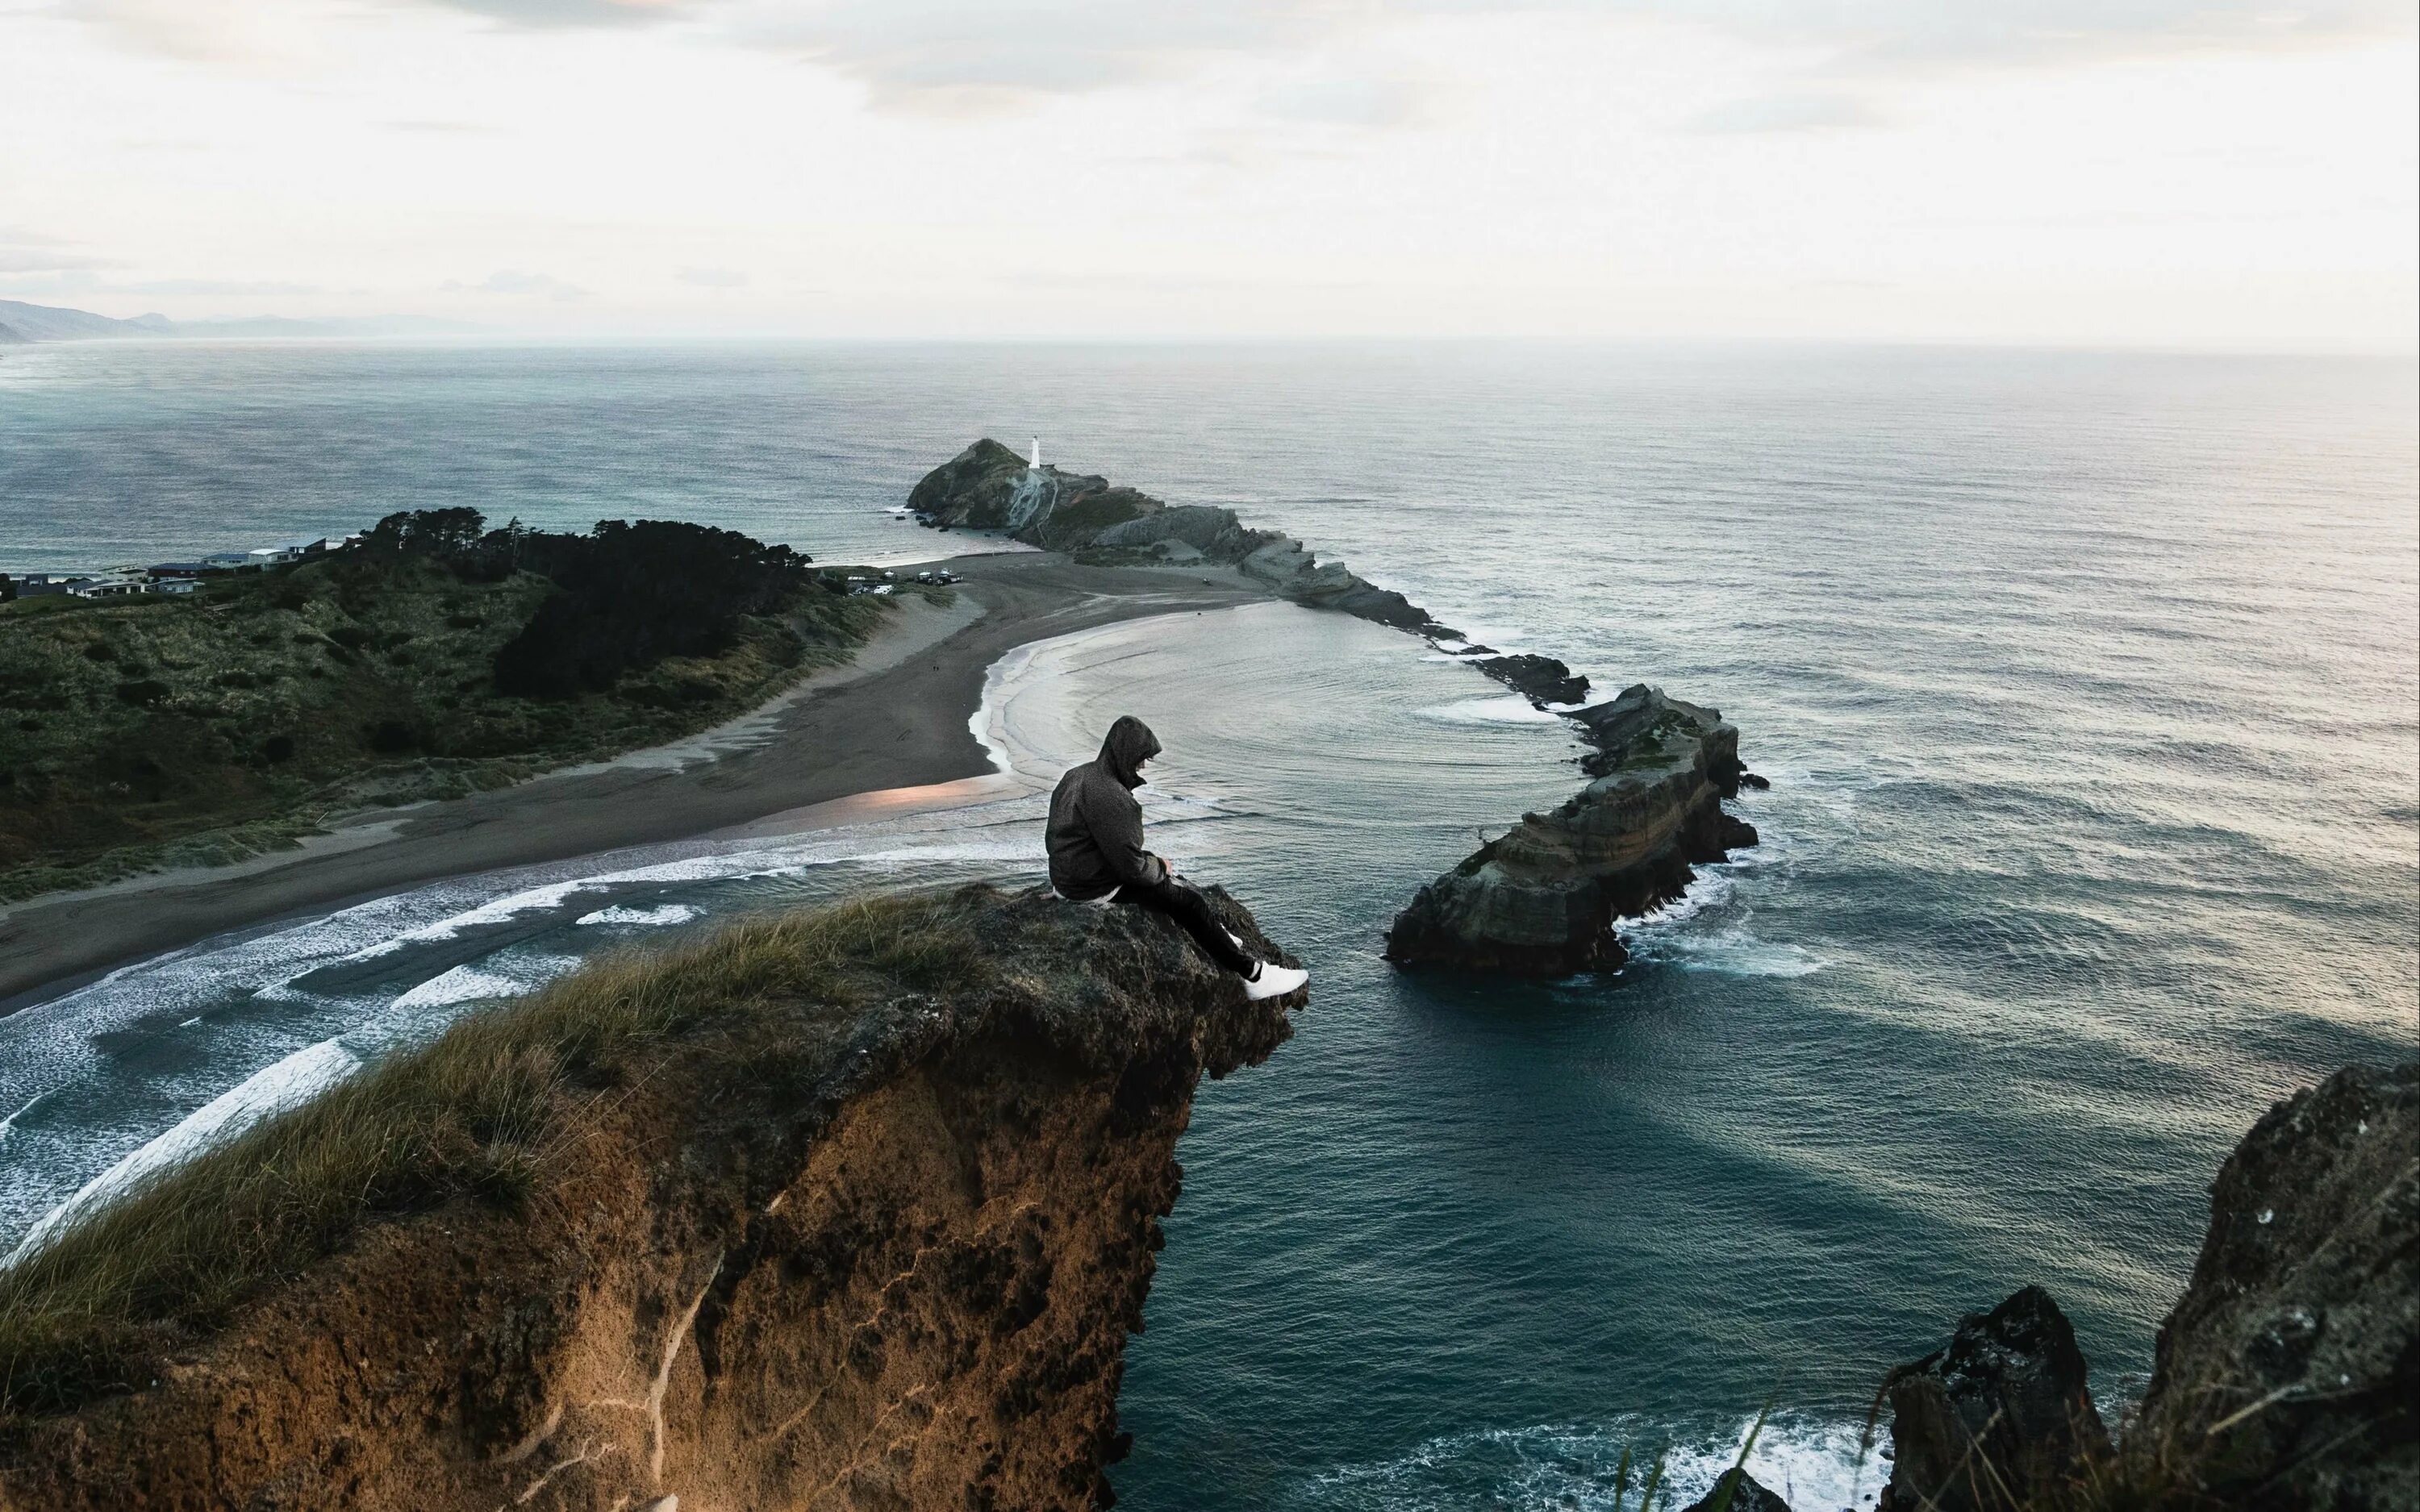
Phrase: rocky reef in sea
(2288, 1376)
(1540, 900)
(844, 1209)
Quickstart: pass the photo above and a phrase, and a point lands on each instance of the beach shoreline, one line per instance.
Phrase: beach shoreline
(895, 720)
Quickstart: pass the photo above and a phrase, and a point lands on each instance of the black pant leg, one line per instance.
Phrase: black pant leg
(1192, 910)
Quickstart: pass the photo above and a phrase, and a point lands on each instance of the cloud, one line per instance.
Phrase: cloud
(714, 277)
(38, 258)
(953, 55)
(512, 283)
(922, 51)
(1346, 101)
(208, 286)
(51, 283)
(203, 31)
(1787, 113)
(574, 12)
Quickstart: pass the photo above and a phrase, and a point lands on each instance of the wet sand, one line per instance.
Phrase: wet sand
(895, 717)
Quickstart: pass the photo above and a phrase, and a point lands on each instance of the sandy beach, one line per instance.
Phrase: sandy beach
(893, 717)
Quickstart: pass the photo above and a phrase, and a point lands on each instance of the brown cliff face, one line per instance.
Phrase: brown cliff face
(871, 1245)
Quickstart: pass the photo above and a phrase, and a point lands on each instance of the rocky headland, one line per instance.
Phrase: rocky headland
(1541, 900)
(989, 487)
(2287, 1379)
(842, 1210)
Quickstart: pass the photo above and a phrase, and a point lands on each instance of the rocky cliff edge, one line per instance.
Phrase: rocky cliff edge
(842, 1210)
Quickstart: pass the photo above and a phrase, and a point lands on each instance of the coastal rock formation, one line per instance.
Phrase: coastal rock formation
(2000, 1419)
(1541, 900)
(987, 487)
(2288, 1375)
(1542, 680)
(1746, 1494)
(867, 1230)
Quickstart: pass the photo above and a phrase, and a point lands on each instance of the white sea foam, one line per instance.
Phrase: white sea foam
(9, 1124)
(298, 1078)
(648, 918)
(1510, 709)
(463, 984)
(1811, 1462)
(501, 910)
(1706, 928)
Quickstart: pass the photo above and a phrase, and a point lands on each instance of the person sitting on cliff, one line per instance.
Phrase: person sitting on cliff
(1094, 838)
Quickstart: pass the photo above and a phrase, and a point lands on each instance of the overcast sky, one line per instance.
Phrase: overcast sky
(2099, 172)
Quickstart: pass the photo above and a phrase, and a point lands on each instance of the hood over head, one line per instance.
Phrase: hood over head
(1130, 744)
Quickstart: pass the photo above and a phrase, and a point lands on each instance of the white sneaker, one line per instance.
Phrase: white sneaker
(1274, 980)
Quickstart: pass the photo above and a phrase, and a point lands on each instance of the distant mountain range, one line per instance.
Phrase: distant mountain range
(21, 323)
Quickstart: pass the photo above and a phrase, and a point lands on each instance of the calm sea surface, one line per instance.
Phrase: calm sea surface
(2088, 685)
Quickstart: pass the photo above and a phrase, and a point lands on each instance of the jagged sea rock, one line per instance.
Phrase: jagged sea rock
(1542, 680)
(865, 1234)
(1747, 1494)
(2000, 1419)
(2288, 1375)
(1541, 900)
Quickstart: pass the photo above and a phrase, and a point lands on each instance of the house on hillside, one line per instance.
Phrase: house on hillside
(115, 584)
(49, 584)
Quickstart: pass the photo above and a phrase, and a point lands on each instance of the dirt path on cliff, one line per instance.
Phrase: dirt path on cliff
(895, 717)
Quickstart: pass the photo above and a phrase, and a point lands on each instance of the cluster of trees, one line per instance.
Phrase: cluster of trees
(626, 594)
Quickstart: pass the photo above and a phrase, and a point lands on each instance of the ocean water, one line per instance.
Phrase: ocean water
(2088, 685)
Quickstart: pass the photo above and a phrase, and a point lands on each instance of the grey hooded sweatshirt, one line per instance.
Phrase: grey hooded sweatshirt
(1096, 831)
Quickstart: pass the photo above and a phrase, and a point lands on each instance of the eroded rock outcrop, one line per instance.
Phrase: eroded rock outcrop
(1542, 898)
(861, 1237)
(1999, 1420)
(1736, 1491)
(988, 487)
(2288, 1375)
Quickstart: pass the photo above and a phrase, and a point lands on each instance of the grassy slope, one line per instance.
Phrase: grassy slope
(475, 1112)
(138, 733)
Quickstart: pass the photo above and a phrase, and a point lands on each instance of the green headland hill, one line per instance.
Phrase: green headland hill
(432, 658)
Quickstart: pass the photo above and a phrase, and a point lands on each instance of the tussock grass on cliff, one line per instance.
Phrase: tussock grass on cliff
(477, 1111)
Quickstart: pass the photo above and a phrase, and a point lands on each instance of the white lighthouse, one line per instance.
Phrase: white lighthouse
(1036, 464)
